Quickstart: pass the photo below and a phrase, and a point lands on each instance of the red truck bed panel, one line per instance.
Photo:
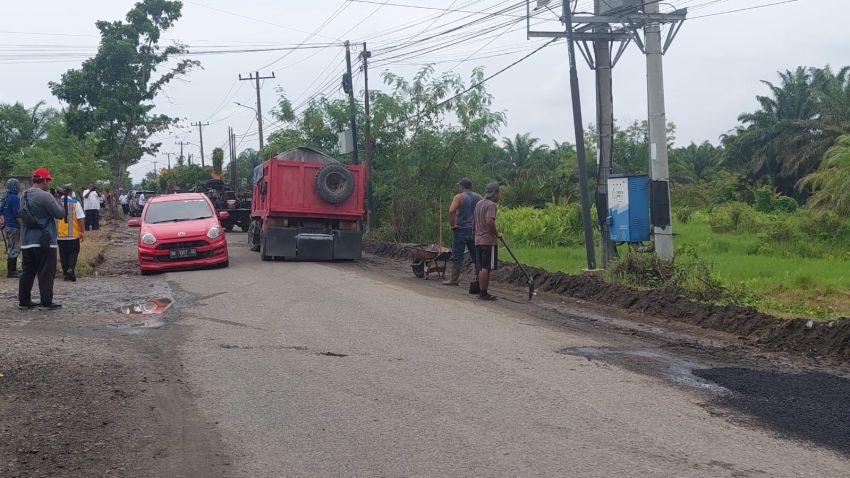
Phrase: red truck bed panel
(291, 192)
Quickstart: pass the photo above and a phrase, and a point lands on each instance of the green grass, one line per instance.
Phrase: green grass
(783, 285)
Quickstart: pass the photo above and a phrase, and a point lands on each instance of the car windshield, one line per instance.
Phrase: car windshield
(175, 211)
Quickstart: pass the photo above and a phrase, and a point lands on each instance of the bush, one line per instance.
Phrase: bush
(687, 275)
(553, 226)
(766, 200)
(683, 215)
(735, 217)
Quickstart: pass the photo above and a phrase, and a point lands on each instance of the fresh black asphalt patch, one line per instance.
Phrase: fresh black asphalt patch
(806, 406)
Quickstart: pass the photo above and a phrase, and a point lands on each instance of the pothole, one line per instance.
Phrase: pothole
(150, 307)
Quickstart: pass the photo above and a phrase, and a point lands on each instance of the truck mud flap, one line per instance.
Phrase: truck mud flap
(280, 242)
(347, 245)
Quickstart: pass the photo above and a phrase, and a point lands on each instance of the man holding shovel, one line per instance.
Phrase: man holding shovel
(460, 220)
(486, 238)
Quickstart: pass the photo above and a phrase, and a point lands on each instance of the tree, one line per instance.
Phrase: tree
(522, 154)
(21, 127)
(830, 184)
(111, 95)
(217, 161)
(786, 138)
(694, 163)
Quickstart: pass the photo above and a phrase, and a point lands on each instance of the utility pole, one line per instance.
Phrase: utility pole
(168, 155)
(190, 159)
(201, 132)
(348, 87)
(579, 132)
(230, 153)
(367, 131)
(155, 162)
(605, 125)
(256, 78)
(620, 21)
(662, 229)
(181, 158)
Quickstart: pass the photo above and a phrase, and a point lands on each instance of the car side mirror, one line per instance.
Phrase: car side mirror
(223, 215)
(134, 223)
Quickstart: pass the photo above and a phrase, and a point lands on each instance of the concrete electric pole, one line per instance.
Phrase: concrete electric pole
(367, 132)
(348, 87)
(181, 159)
(168, 155)
(619, 21)
(256, 78)
(201, 133)
(662, 228)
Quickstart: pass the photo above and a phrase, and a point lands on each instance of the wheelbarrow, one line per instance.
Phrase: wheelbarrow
(429, 259)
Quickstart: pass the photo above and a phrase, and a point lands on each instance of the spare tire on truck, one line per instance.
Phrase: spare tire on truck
(334, 183)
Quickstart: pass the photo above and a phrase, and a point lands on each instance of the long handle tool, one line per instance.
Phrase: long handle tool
(527, 276)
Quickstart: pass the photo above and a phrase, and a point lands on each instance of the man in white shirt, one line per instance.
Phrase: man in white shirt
(91, 206)
(125, 203)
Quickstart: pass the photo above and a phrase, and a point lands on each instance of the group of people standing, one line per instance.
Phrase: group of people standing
(472, 219)
(42, 224)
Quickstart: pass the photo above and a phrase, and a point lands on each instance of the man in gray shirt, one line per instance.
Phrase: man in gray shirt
(38, 241)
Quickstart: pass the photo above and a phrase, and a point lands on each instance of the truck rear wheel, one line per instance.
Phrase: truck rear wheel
(334, 183)
(263, 255)
(254, 237)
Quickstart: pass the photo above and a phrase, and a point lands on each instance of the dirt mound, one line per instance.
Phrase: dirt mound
(818, 339)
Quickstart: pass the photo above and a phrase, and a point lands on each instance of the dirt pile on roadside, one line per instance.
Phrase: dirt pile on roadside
(817, 339)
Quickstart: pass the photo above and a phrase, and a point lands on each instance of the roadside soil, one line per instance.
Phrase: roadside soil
(823, 341)
(90, 391)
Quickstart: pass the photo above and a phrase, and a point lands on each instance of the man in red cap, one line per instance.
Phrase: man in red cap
(39, 211)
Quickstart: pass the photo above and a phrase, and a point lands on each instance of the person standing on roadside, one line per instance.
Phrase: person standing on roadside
(487, 237)
(91, 205)
(39, 211)
(10, 223)
(125, 203)
(70, 236)
(460, 220)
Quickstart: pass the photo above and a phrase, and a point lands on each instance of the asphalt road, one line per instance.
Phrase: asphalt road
(313, 369)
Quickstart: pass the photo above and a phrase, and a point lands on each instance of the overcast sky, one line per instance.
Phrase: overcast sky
(712, 70)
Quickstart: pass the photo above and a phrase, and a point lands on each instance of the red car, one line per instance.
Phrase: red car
(180, 231)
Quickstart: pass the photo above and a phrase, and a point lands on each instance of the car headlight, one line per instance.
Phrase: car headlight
(214, 232)
(148, 238)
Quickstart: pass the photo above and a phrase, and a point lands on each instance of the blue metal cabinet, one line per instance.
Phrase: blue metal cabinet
(628, 208)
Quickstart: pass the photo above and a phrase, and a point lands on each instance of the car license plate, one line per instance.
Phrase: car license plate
(182, 253)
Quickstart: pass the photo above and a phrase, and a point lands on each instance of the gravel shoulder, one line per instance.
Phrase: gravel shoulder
(88, 391)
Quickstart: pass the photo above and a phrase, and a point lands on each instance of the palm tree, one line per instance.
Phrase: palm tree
(523, 154)
(788, 136)
(830, 184)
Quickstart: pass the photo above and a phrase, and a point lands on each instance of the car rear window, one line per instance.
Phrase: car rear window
(175, 211)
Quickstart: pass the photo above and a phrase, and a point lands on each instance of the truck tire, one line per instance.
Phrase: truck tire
(334, 183)
(263, 255)
(254, 236)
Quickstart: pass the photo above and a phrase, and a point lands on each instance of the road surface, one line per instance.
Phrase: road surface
(310, 369)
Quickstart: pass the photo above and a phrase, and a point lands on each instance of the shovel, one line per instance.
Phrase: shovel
(528, 277)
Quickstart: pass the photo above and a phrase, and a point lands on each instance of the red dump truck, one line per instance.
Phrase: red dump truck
(307, 206)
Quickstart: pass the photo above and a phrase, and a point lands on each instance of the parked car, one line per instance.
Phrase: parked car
(180, 231)
(136, 200)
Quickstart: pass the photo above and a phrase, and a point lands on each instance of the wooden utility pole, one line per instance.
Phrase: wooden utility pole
(367, 131)
(256, 78)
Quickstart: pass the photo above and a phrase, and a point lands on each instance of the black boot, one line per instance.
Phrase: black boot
(12, 268)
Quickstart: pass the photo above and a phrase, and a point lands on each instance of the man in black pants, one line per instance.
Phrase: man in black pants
(39, 211)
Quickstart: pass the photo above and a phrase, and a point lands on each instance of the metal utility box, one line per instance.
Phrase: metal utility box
(628, 208)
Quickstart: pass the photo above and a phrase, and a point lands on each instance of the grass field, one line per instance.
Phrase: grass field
(785, 286)
(93, 245)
